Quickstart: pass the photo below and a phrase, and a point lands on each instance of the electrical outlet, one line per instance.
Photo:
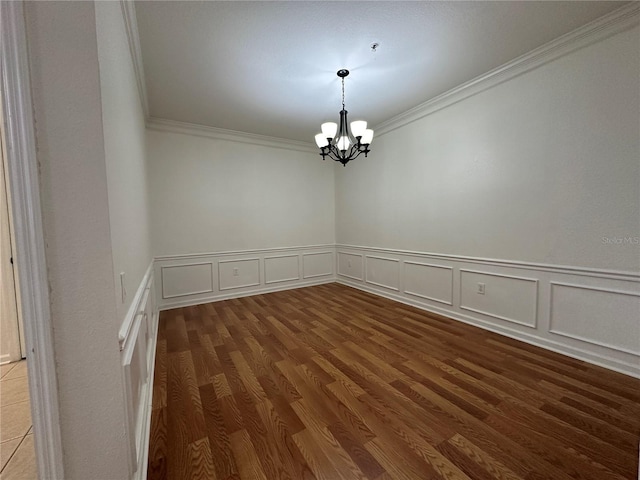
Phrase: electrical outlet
(481, 288)
(235, 272)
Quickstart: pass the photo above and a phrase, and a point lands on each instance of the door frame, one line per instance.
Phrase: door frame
(29, 255)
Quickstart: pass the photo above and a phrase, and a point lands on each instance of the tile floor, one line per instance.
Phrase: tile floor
(17, 456)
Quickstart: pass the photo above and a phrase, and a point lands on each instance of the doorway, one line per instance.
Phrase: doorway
(11, 331)
(17, 454)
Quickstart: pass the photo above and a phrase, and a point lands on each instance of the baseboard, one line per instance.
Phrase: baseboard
(4, 359)
(611, 364)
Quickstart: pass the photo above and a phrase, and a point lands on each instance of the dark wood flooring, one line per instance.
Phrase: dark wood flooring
(329, 382)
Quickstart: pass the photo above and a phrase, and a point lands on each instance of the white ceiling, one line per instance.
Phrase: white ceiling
(270, 67)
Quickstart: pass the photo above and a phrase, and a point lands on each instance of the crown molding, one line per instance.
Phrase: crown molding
(601, 28)
(133, 38)
(163, 125)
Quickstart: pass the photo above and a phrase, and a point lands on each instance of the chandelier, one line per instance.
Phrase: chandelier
(337, 143)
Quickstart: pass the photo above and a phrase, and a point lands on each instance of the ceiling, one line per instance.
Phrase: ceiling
(270, 67)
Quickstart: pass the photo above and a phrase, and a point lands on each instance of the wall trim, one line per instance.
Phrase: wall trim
(601, 28)
(133, 38)
(224, 287)
(23, 180)
(238, 286)
(614, 364)
(255, 251)
(138, 415)
(163, 267)
(246, 293)
(184, 128)
(500, 317)
(305, 276)
(570, 270)
(362, 270)
(538, 333)
(578, 337)
(292, 279)
(366, 272)
(141, 472)
(433, 299)
(127, 323)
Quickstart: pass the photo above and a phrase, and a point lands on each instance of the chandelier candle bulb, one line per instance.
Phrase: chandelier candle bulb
(321, 140)
(367, 136)
(329, 129)
(337, 142)
(358, 127)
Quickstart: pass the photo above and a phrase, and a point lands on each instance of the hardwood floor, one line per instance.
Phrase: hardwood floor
(329, 382)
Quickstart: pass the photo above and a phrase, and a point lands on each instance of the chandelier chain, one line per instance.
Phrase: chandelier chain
(343, 93)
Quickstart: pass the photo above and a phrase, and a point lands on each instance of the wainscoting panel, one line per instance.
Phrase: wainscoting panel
(351, 265)
(187, 279)
(428, 281)
(246, 272)
(281, 268)
(584, 313)
(508, 298)
(319, 264)
(383, 272)
(239, 273)
(137, 338)
(605, 317)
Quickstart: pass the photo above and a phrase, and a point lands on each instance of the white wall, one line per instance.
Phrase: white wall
(537, 169)
(529, 191)
(124, 144)
(71, 152)
(212, 195)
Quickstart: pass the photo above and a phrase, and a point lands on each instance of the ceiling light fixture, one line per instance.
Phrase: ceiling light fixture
(338, 143)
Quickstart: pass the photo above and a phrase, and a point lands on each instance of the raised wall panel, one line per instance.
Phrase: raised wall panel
(244, 272)
(351, 265)
(432, 282)
(187, 279)
(508, 298)
(383, 272)
(134, 364)
(318, 264)
(281, 268)
(605, 317)
(238, 273)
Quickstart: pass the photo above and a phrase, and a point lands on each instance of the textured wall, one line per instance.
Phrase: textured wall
(67, 111)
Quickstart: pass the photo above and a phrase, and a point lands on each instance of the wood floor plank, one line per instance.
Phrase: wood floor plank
(246, 457)
(329, 382)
